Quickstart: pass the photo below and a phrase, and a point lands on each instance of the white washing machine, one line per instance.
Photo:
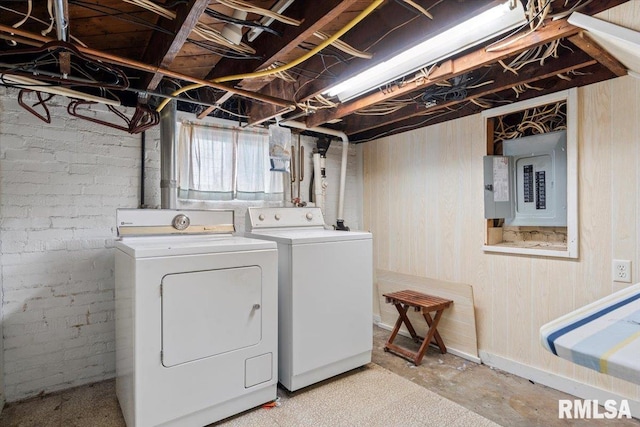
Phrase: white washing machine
(196, 318)
(324, 294)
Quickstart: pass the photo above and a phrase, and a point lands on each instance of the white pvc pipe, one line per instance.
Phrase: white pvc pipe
(343, 177)
(345, 152)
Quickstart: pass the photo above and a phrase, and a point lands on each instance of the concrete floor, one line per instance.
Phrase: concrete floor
(503, 398)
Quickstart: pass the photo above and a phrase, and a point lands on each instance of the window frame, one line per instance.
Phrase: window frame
(182, 120)
(571, 98)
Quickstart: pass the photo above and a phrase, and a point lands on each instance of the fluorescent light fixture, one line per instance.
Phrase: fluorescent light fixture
(487, 25)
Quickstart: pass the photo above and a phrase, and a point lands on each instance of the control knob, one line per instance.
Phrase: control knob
(309, 216)
(261, 217)
(277, 217)
(180, 222)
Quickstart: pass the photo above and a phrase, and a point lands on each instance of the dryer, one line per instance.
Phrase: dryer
(325, 282)
(196, 318)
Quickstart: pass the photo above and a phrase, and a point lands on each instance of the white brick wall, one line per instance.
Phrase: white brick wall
(60, 185)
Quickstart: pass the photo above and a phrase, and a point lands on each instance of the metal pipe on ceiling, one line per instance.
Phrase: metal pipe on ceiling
(61, 17)
(113, 59)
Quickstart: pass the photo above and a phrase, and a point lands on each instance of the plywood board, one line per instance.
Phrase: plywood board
(458, 324)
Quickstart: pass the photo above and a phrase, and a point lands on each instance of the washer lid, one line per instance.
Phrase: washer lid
(160, 246)
(298, 236)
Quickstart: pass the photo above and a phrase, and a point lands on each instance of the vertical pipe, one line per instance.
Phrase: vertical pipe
(343, 181)
(143, 150)
(62, 19)
(168, 158)
(343, 171)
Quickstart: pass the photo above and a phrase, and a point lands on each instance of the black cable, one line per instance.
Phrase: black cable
(230, 19)
(310, 46)
(223, 52)
(175, 3)
(409, 8)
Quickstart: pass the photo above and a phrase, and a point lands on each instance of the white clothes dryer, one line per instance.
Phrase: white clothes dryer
(196, 318)
(324, 294)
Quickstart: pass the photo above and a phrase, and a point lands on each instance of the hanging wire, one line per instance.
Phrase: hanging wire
(537, 120)
(229, 19)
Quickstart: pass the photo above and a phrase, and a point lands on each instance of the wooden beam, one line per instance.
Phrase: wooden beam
(588, 45)
(501, 81)
(273, 48)
(387, 29)
(405, 31)
(596, 73)
(443, 72)
(141, 66)
(163, 48)
(552, 31)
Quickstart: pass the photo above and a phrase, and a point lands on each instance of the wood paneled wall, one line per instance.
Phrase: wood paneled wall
(423, 201)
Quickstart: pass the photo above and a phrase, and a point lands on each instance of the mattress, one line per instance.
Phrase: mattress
(604, 335)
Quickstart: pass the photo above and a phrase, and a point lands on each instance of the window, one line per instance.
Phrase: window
(225, 163)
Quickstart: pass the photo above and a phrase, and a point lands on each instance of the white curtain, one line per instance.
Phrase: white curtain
(225, 163)
(254, 180)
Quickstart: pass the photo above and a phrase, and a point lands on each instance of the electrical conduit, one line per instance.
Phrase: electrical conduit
(285, 67)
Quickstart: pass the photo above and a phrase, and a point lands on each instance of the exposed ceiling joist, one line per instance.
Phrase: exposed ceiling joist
(586, 44)
(595, 73)
(147, 46)
(163, 48)
(273, 48)
(501, 81)
(141, 66)
(464, 64)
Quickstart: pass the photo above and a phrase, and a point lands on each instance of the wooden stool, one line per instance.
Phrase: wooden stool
(420, 302)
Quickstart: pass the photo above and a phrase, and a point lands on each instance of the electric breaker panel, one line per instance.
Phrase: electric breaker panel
(536, 167)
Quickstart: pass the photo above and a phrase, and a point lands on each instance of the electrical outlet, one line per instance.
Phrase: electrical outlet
(622, 270)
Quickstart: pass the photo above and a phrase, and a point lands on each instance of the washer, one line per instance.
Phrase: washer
(196, 318)
(324, 294)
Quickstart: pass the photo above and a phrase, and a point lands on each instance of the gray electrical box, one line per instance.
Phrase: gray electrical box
(537, 169)
(498, 183)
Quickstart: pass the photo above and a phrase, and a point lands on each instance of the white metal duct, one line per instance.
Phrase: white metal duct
(621, 42)
(168, 158)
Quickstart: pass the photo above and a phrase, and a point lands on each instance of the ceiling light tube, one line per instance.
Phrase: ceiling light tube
(480, 28)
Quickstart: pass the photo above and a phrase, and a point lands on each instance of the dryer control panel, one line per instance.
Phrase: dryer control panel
(144, 222)
(259, 218)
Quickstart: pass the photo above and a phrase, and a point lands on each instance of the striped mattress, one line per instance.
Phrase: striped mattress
(604, 335)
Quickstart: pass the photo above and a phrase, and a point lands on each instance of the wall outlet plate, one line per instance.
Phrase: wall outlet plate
(622, 270)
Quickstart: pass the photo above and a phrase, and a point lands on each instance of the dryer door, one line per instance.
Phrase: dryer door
(206, 313)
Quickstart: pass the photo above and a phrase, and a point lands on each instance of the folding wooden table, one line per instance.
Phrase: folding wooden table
(420, 302)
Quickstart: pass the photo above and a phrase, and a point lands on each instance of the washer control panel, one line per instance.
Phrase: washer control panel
(258, 218)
